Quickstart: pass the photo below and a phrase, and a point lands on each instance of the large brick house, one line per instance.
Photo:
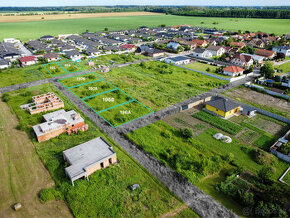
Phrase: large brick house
(57, 123)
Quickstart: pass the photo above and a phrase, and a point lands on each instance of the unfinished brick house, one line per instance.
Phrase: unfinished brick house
(45, 102)
(59, 122)
(87, 158)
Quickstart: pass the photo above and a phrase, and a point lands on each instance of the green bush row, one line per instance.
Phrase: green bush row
(224, 125)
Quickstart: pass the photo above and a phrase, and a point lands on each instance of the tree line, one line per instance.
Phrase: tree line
(282, 13)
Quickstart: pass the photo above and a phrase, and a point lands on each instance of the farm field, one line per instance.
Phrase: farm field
(15, 76)
(23, 175)
(158, 85)
(26, 30)
(206, 68)
(264, 101)
(201, 159)
(108, 188)
(62, 16)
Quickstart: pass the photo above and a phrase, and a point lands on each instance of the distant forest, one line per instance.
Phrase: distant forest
(282, 12)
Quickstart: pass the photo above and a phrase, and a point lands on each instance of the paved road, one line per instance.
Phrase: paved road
(197, 200)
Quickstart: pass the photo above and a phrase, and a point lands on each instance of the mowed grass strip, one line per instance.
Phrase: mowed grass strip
(107, 100)
(218, 122)
(107, 194)
(91, 88)
(78, 80)
(125, 113)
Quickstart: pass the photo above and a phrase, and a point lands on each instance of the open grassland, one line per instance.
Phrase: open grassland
(14, 76)
(62, 16)
(27, 30)
(203, 160)
(23, 175)
(285, 68)
(107, 194)
(158, 85)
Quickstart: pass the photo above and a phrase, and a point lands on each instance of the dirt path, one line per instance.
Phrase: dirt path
(175, 212)
(12, 19)
(22, 173)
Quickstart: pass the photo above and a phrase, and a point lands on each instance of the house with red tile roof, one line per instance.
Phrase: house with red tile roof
(129, 47)
(233, 71)
(200, 42)
(266, 53)
(238, 44)
(28, 60)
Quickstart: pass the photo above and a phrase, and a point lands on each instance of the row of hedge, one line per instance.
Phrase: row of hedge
(224, 125)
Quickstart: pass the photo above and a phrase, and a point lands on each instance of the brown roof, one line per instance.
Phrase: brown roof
(233, 69)
(50, 55)
(237, 44)
(199, 41)
(243, 58)
(214, 48)
(264, 52)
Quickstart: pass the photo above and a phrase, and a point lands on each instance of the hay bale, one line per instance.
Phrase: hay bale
(17, 206)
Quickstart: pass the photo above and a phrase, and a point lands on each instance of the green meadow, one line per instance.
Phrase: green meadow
(35, 29)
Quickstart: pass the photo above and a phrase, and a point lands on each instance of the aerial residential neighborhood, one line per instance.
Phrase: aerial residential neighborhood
(144, 111)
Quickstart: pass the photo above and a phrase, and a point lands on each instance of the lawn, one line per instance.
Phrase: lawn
(107, 193)
(200, 158)
(206, 68)
(286, 178)
(158, 85)
(76, 81)
(26, 30)
(284, 67)
(62, 67)
(14, 76)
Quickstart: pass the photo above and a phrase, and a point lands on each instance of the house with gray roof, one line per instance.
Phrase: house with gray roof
(87, 158)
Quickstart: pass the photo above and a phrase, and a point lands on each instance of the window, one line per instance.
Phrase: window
(102, 165)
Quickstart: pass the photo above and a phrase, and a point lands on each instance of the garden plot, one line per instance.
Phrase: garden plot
(93, 88)
(125, 113)
(62, 67)
(112, 104)
(82, 79)
(107, 100)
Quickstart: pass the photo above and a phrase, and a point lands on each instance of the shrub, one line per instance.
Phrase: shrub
(224, 125)
(186, 133)
(229, 157)
(266, 173)
(49, 194)
(263, 158)
(166, 134)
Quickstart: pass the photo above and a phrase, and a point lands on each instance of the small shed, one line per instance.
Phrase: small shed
(249, 111)
(17, 206)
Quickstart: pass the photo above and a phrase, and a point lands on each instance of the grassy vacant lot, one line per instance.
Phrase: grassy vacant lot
(26, 30)
(23, 175)
(14, 76)
(111, 59)
(204, 68)
(203, 160)
(107, 193)
(284, 67)
(158, 85)
(264, 101)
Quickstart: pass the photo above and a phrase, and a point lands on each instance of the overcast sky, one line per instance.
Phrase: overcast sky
(38, 3)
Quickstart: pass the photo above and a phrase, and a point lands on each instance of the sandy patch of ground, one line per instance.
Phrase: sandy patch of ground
(8, 19)
(22, 173)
